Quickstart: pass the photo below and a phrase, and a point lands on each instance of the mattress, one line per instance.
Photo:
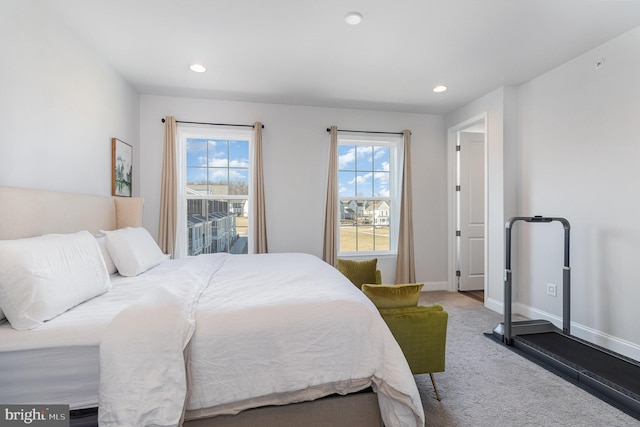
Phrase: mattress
(58, 363)
(68, 376)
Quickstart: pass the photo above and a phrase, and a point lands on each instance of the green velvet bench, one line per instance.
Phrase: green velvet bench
(421, 331)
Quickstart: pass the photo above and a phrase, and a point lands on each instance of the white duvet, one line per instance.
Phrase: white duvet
(251, 330)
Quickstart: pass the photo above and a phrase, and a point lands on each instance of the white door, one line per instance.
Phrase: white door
(471, 211)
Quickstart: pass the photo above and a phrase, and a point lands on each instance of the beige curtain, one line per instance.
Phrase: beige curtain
(405, 266)
(330, 252)
(168, 190)
(260, 223)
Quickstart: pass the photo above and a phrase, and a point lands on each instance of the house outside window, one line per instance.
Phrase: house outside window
(215, 190)
(368, 179)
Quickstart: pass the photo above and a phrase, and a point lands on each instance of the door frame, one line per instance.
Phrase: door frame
(452, 141)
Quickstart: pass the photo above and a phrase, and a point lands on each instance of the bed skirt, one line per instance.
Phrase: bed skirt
(353, 410)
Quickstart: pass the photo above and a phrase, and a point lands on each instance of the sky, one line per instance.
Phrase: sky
(217, 161)
(363, 171)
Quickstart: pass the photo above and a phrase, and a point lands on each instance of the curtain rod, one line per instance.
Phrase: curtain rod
(214, 124)
(367, 131)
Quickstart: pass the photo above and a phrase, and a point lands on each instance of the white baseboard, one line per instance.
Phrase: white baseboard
(602, 339)
(494, 304)
(435, 286)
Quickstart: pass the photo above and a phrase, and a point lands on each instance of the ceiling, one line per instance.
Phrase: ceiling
(302, 52)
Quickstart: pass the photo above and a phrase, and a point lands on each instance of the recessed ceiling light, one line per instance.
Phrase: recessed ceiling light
(198, 68)
(439, 89)
(353, 18)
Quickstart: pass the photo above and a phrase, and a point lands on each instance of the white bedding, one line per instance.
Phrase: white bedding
(84, 324)
(69, 344)
(269, 329)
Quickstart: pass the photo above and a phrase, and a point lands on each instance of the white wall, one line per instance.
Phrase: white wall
(501, 158)
(579, 135)
(60, 105)
(296, 156)
(566, 144)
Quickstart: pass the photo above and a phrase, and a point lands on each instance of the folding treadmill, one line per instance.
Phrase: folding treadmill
(606, 374)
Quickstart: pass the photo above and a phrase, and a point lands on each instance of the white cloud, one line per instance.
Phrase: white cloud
(202, 160)
(383, 192)
(364, 150)
(361, 179)
(233, 175)
(346, 159)
(218, 163)
(236, 176)
(382, 177)
(223, 163)
(195, 145)
(239, 163)
(215, 174)
(380, 151)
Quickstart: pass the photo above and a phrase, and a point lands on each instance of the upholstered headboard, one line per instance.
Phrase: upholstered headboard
(29, 212)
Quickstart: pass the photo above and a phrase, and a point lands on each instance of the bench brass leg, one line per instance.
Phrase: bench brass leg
(433, 381)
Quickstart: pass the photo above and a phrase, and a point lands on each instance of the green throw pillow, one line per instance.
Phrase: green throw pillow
(358, 272)
(393, 296)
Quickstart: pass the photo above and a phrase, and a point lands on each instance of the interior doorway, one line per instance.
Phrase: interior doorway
(470, 207)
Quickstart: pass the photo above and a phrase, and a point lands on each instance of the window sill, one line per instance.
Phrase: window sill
(358, 255)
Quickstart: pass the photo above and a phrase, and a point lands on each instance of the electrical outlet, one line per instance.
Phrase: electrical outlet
(551, 289)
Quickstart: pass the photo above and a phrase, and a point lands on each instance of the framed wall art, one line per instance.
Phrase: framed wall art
(122, 168)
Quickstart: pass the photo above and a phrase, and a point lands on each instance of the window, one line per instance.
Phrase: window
(367, 191)
(215, 191)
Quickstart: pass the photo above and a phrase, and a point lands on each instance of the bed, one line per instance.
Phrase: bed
(215, 340)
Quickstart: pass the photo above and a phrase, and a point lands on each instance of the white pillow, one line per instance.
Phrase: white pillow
(102, 242)
(133, 250)
(42, 277)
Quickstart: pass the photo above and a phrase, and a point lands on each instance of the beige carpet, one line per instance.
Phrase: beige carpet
(486, 384)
